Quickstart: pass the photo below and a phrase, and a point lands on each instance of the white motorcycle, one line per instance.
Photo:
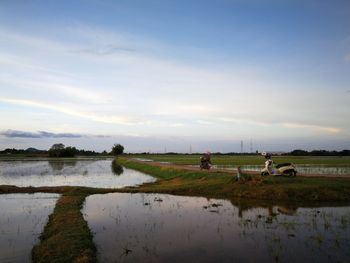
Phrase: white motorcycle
(288, 169)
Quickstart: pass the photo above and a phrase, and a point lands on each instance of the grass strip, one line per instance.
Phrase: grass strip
(66, 237)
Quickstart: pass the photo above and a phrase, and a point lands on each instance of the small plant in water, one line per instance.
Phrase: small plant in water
(126, 251)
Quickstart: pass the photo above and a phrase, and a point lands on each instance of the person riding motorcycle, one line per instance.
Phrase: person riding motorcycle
(268, 169)
(205, 161)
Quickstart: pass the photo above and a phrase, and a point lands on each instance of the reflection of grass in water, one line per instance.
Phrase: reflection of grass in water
(344, 220)
(336, 242)
(15, 228)
(275, 247)
(321, 243)
(318, 238)
(289, 226)
(327, 225)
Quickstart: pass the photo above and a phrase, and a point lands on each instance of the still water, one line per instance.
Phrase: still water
(301, 168)
(310, 169)
(22, 219)
(166, 228)
(91, 173)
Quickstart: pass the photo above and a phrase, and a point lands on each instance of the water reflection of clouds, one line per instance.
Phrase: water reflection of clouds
(92, 173)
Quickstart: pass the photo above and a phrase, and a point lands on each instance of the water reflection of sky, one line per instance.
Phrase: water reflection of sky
(92, 173)
(165, 228)
(22, 219)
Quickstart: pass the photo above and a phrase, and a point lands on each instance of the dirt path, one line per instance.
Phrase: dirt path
(233, 171)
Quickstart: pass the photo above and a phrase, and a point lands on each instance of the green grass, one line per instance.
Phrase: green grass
(223, 185)
(66, 237)
(245, 159)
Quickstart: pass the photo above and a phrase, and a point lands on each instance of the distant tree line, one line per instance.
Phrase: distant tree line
(319, 153)
(57, 150)
(22, 151)
(293, 153)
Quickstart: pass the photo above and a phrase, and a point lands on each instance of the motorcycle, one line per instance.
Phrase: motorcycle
(205, 164)
(287, 169)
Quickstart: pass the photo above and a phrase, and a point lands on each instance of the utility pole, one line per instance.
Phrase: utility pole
(190, 149)
(241, 146)
(251, 145)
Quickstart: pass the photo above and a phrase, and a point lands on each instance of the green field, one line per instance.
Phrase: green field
(245, 159)
(220, 184)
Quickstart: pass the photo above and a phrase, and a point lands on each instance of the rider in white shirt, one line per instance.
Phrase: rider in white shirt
(268, 163)
(268, 169)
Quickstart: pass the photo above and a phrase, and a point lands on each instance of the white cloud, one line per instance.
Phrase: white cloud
(316, 128)
(243, 121)
(204, 122)
(81, 114)
(93, 77)
(57, 86)
(177, 125)
(30, 41)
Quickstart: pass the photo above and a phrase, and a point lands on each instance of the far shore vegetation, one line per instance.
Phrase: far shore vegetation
(60, 150)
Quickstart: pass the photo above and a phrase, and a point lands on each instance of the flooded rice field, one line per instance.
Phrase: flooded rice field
(91, 173)
(301, 168)
(166, 228)
(22, 219)
(313, 169)
(309, 169)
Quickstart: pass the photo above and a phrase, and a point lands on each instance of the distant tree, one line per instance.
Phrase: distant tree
(117, 149)
(56, 150)
(299, 152)
(69, 152)
(57, 146)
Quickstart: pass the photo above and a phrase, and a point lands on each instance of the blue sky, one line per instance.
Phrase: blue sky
(159, 75)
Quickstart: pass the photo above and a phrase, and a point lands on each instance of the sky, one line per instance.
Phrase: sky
(181, 76)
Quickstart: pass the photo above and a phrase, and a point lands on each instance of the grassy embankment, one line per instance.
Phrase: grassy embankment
(66, 237)
(185, 159)
(174, 180)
